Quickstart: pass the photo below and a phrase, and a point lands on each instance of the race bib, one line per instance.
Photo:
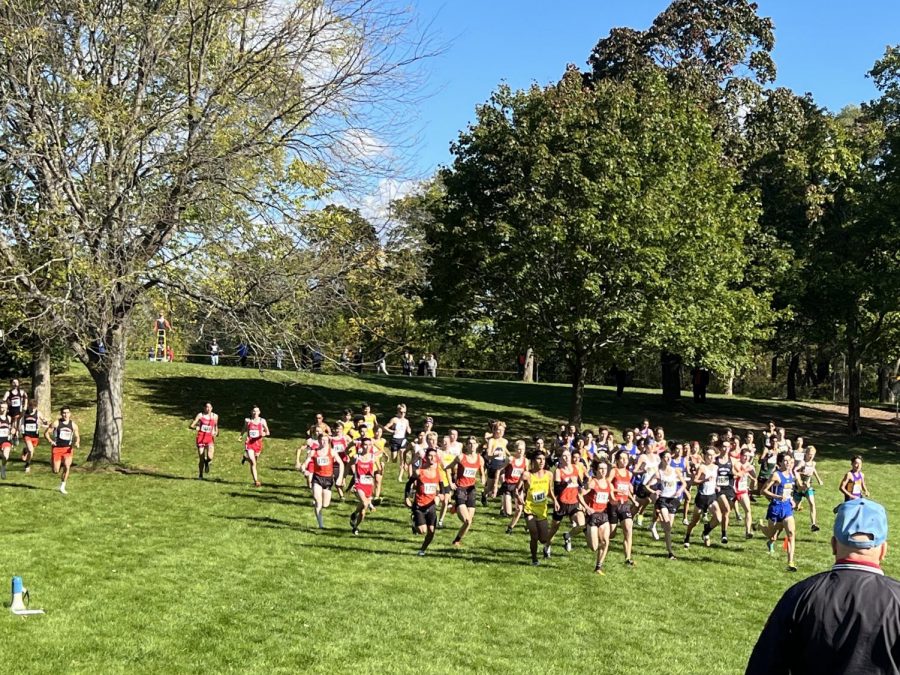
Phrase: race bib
(205, 428)
(515, 473)
(798, 456)
(786, 494)
(601, 497)
(65, 434)
(31, 427)
(623, 488)
(366, 480)
(539, 497)
(469, 472)
(253, 433)
(722, 481)
(670, 486)
(742, 484)
(323, 461)
(4, 432)
(808, 470)
(15, 402)
(430, 488)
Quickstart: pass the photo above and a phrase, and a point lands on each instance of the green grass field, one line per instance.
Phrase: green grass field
(149, 570)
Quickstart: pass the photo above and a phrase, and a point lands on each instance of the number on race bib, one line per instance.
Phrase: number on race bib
(15, 402)
(624, 488)
(205, 428)
(538, 497)
(365, 480)
(65, 434)
(4, 432)
(742, 484)
(31, 427)
(469, 472)
(722, 481)
(516, 473)
(253, 433)
(601, 497)
(430, 488)
(323, 461)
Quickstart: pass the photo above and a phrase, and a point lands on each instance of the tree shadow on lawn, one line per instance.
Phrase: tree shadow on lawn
(290, 407)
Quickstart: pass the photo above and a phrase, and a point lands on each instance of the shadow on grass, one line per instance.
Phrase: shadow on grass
(20, 486)
(538, 408)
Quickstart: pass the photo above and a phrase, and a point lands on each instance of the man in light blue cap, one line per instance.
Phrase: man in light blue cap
(846, 620)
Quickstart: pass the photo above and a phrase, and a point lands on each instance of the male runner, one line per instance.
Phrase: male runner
(7, 435)
(206, 424)
(63, 435)
(421, 492)
(30, 430)
(255, 429)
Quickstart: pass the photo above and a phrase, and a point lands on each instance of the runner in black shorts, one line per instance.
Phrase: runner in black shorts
(422, 490)
(705, 479)
(725, 495)
(463, 473)
(622, 500)
(595, 499)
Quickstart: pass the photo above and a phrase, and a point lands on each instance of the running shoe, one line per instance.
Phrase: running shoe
(567, 542)
(687, 543)
(815, 528)
(243, 459)
(62, 488)
(672, 556)
(483, 499)
(509, 530)
(440, 525)
(706, 541)
(685, 522)
(771, 546)
(355, 531)
(599, 570)
(535, 562)
(421, 553)
(749, 535)
(27, 469)
(547, 551)
(654, 533)
(724, 539)
(791, 567)
(629, 563)
(257, 484)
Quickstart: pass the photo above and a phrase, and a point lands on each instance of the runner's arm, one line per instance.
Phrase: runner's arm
(48, 433)
(767, 489)
(843, 486)
(193, 425)
(76, 434)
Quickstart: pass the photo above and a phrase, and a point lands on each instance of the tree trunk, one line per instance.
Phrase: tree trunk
(774, 372)
(853, 398)
(729, 383)
(671, 375)
(823, 371)
(884, 383)
(579, 376)
(528, 374)
(40, 379)
(108, 372)
(793, 367)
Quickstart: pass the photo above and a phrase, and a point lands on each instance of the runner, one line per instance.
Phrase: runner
(7, 436)
(381, 457)
(422, 490)
(534, 491)
(566, 490)
(595, 500)
(341, 444)
(512, 474)
(62, 435)
(853, 485)
(370, 419)
(496, 457)
(768, 458)
(255, 429)
(780, 515)
(346, 422)
(672, 486)
(804, 487)
(725, 480)
(623, 499)
(316, 429)
(646, 469)
(445, 459)
(324, 457)
(399, 429)
(466, 467)
(705, 478)
(206, 424)
(363, 468)
(681, 462)
(30, 430)
(745, 473)
(17, 400)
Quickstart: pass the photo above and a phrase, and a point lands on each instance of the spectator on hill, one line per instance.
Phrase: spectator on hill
(422, 367)
(381, 363)
(214, 352)
(279, 357)
(407, 363)
(358, 361)
(242, 352)
(700, 383)
(318, 357)
(432, 365)
(846, 620)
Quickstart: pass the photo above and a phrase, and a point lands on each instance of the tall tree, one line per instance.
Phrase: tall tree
(133, 134)
(587, 217)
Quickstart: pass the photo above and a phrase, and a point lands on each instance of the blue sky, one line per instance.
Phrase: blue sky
(824, 47)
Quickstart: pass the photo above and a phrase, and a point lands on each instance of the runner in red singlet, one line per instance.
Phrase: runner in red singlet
(324, 459)
(343, 449)
(566, 488)
(595, 499)
(206, 424)
(255, 429)
(512, 475)
(363, 468)
(422, 489)
(466, 469)
(623, 499)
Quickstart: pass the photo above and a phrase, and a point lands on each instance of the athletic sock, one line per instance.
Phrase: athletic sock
(706, 530)
(319, 520)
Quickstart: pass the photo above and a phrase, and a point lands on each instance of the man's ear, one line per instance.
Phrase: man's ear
(883, 554)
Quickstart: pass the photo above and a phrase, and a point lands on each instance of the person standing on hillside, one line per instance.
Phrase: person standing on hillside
(63, 436)
(846, 620)
(214, 352)
(432, 364)
(206, 424)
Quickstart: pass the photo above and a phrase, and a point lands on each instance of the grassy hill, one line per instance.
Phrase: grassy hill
(146, 569)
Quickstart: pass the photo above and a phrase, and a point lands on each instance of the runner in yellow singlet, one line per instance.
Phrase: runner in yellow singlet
(535, 495)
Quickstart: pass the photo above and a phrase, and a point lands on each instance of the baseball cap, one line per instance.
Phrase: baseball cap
(860, 516)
